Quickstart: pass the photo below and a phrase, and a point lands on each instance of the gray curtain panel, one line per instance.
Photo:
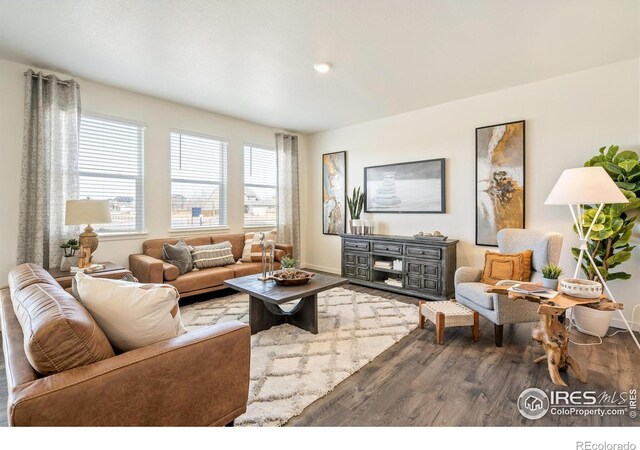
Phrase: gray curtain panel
(288, 192)
(49, 167)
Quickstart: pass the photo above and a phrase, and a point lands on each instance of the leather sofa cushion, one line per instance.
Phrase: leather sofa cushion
(202, 279)
(237, 243)
(59, 333)
(252, 268)
(27, 274)
(153, 247)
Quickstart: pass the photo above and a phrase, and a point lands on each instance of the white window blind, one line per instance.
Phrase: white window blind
(198, 181)
(260, 187)
(111, 155)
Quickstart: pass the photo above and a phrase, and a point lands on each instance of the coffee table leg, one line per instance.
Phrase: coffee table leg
(260, 318)
(307, 316)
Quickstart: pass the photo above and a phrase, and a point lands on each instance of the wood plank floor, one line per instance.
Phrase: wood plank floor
(419, 383)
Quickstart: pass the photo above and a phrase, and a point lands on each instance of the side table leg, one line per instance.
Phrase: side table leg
(440, 328)
(420, 316)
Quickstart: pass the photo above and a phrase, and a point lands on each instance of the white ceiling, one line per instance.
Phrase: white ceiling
(253, 59)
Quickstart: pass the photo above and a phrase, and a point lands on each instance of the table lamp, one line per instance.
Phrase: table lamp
(587, 186)
(81, 212)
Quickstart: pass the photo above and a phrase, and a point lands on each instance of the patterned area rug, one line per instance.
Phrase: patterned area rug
(290, 367)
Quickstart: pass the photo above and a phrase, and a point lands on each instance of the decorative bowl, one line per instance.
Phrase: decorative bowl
(293, 278)
(577, 287)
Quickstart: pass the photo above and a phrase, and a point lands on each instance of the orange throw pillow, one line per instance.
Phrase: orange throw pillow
(506, 266)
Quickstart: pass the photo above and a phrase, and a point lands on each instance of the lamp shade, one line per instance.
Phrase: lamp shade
(83, 212)
(585, 186)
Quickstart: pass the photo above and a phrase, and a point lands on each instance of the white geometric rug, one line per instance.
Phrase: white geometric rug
(290, 367)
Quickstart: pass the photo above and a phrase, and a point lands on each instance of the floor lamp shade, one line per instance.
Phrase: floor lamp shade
(585, 186)
(86, 212)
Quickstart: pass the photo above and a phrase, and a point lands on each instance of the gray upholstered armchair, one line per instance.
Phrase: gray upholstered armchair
(499, 309)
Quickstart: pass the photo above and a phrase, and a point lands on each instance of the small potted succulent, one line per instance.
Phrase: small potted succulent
(550, 275)
(69, 259)
(288, 263)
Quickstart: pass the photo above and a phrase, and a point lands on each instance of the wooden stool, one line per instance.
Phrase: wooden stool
(448, 314)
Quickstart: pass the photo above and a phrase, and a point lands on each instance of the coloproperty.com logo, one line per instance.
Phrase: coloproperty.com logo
(534, 403)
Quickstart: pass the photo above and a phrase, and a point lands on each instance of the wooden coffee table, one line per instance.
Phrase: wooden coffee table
(265, 298)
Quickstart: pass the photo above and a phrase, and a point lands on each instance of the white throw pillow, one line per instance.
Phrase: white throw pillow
(131, 315)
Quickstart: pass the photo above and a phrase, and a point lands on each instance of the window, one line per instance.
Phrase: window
(198, 181)
(110, 157)
(260, 187)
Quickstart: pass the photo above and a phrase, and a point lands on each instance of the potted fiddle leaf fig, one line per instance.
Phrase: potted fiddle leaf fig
(355, 204)
(609, 242)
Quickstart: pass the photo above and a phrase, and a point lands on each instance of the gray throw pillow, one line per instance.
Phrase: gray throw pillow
(215, 255)
(178, 255)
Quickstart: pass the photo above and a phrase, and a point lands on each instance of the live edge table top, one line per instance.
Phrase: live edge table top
(269, 291)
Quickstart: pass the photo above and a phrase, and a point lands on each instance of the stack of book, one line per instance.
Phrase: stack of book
(383, 264)
(393, 282)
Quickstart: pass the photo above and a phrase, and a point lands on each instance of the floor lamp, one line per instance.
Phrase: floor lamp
(587, 186)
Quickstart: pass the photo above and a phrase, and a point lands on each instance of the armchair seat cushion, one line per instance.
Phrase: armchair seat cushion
(474, 292)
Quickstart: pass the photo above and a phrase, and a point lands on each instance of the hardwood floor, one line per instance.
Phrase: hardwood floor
(419, 383)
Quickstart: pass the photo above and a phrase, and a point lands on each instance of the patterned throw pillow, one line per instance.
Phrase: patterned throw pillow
(178, 255)
(214, 255)
(252, 251)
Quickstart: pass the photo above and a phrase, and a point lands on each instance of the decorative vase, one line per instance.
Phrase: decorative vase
(67, 263)
(289, 269)
(592, 321)
(551, 283)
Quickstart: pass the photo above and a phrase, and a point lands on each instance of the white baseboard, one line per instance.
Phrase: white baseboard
(322, 268)
(617, 322)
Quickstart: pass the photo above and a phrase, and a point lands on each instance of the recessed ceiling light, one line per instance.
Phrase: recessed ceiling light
(322, 67)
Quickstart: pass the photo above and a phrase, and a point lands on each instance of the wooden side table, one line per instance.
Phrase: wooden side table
(551, 334)
(111, 270)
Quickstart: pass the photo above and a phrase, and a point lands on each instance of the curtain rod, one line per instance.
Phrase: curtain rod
(48, 78)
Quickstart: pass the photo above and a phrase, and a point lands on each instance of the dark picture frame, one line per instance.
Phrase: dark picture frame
(500, 183)
(414, 187)
(334, 193)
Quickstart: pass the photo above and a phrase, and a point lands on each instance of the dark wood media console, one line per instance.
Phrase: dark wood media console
(427, 270)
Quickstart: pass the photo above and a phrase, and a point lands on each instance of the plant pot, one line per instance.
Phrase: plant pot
(551, 283)
(67, 263)
(288, 269)
(356, 226)
(593, 321)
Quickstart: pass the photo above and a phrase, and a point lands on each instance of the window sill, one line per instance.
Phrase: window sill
(259, 227)
(198, 230)
(122, 236)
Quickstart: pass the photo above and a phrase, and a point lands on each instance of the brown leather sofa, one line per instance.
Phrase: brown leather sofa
(197, 379)
(148, 266)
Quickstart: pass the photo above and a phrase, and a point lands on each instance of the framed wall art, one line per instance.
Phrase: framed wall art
(500, 184)
(334, 191)
(410, 187)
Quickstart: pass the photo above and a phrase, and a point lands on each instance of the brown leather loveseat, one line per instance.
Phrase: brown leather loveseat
(197, 379)
(148, 266)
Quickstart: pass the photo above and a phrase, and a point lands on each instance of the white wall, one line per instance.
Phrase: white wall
(159, 117)
(567, 119)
